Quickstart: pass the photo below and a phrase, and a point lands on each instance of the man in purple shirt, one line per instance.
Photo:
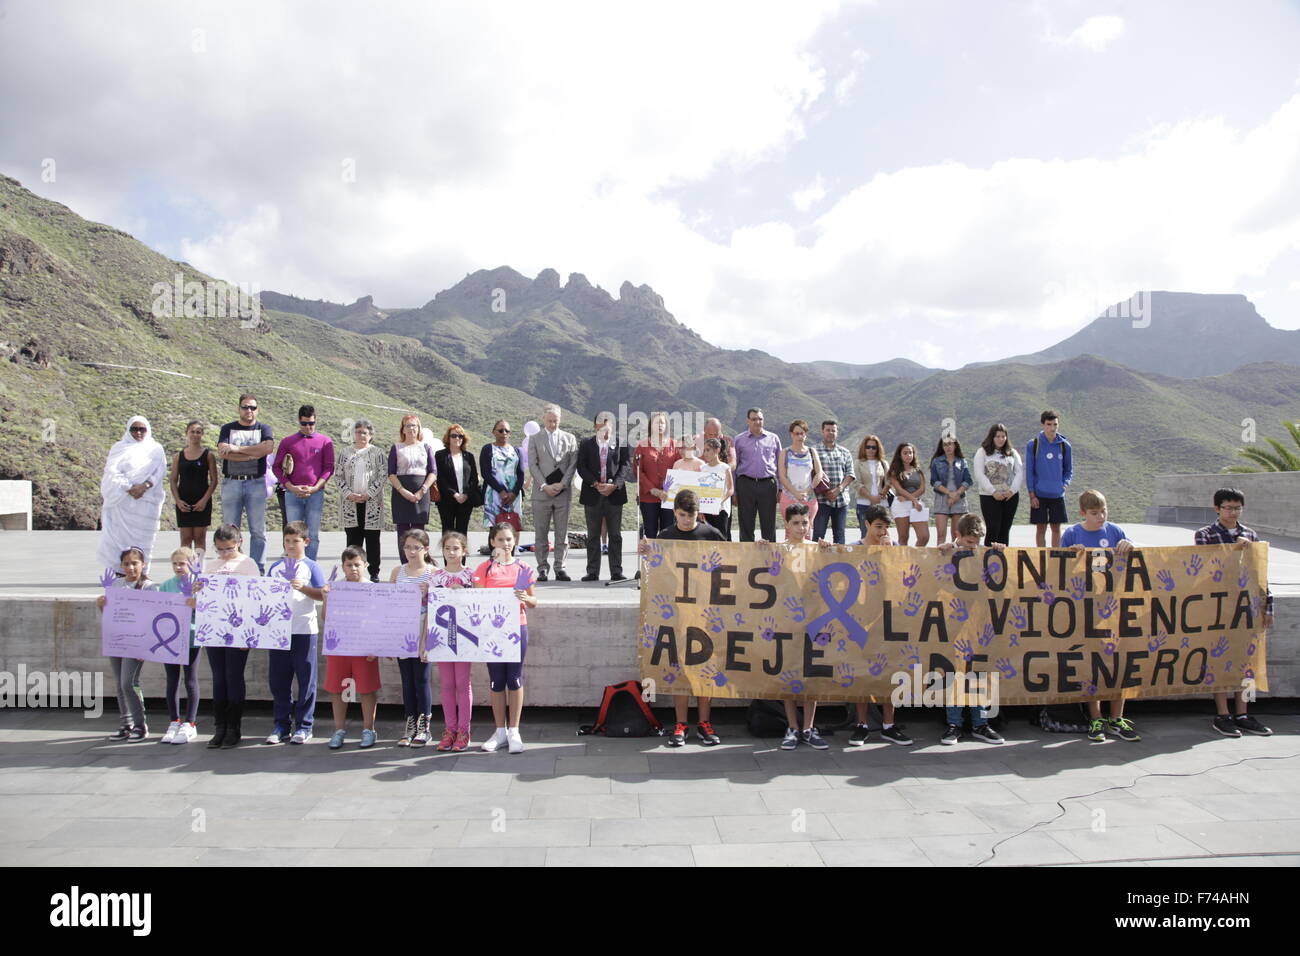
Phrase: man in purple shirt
(756, 491)
(310, 458)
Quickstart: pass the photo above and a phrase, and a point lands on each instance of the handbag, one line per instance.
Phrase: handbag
(823, 488)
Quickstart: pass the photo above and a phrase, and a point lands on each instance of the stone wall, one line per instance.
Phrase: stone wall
(1272, 500)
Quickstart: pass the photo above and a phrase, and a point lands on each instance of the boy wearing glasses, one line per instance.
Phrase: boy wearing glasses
(304, 465)
(242, 446)
(1228, 529)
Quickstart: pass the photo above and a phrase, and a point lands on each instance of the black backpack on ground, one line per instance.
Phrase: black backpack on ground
(624, 713)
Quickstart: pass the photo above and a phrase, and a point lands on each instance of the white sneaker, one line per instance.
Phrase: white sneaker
(300, 736)
(496, 740)
(170, 736)
(514, 740)
(185, 733)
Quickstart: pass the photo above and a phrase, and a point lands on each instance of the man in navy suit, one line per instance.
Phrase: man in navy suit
(604, 464)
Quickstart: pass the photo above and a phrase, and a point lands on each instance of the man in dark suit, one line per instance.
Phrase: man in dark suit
(604, 464)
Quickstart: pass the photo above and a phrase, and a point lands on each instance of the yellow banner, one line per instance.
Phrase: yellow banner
(1033, 626)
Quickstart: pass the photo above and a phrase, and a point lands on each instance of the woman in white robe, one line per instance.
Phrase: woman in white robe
(133, 487)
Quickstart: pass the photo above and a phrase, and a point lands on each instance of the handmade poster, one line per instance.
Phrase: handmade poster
(146, 625)
(379, 620)
(1028, 625)
(235, 611)
(709, 488)
(480, 624)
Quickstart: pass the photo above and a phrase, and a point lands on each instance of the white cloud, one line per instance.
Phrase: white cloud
(1094, 34)
(804, 199)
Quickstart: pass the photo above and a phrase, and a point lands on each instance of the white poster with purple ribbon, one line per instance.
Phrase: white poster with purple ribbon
(146, 625)
(478, 625)
(235, 611)
(372, 620)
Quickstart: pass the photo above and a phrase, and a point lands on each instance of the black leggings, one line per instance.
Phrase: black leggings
(999, 516)
(228, 673)
(191, 688)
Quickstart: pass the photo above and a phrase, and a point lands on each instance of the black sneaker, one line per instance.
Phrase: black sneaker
(678, 737)
(1123, 728)
(1096, 730)
(123, 733)
(791, 739)
(1225, 725)
(814, 740)
(705, 732)
(987, 734)
(861, 734)
(1252, 726)
(896, 736)
(562, 576)
(951, 735)
(541, 577)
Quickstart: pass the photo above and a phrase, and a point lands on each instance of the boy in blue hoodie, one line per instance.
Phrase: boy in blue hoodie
(1049, 466)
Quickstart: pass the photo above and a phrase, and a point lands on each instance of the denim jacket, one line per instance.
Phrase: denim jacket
(939, 474)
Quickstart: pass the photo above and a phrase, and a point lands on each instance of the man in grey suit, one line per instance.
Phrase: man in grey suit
(552, 459)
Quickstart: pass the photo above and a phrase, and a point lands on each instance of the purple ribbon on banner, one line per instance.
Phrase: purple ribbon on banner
(165, 643)
(446, 619)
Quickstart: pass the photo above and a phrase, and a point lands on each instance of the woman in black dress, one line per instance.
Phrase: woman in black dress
(458, 485)
(193, 480)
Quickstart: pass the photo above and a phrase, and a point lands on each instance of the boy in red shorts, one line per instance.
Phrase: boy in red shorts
(363, 671)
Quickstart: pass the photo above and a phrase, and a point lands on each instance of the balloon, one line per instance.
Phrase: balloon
(531, 427)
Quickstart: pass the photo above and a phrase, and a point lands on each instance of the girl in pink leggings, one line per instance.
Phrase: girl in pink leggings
(457, 697)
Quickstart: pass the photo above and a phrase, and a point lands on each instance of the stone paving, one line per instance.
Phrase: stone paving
(70, 798)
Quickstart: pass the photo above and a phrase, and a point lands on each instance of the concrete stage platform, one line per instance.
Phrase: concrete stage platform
(580, 634)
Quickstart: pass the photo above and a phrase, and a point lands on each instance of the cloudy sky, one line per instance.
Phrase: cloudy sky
(941, 181)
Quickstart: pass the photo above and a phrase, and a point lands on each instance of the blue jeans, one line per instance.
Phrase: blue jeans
(832, 515)
(309, 510)
(249, 496)
(298, 661)
(979, 716)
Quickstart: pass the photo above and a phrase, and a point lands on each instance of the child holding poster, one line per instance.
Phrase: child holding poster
(875, 522)
(126, 670)
(228, 663)
(506, 681)
(299, 659)
(798, 523)
(970, 530)
(362, 671)
(453, 676)
(416, 695)
(182, 731)
(1096, 532)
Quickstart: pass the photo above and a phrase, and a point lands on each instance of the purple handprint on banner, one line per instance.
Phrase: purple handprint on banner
(1243, 578)
(1077, 587)
(331, 639)
(1109, 608)
(710, 672)
(877, 665)
(1216, 574)
(774, 562)
(665, 605)
(654, 555)
(796, 608)
(410, 642)
(1090, 688)
(910, 575)
(233, 617)
(822, 638)
(280, 586)
(791, 682)
(249, 637)
(769, 628)
(846, 676)
(711, 562)
(986, 635)
(1049, 596)
(913, 605)
(264, 615)
(498, 617)
(959, 611)
(1109, 648)
(513, 637)
(1193, 566)
(231, 584)
(870, 572)
(1218, 649)
(227, 638)
(255, 591)
(493, 649)
(1157, 642)
(910, 655)
(944, 572)
(1166, 580)
(965, 650)
(1209, 676)
(1006, 669)
(282, 641)
(206, 607)
(286, 613)
(713, 620)
(648, 635)
(1018, 617)
(203, 632)
(475, 615)
(672, 674)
